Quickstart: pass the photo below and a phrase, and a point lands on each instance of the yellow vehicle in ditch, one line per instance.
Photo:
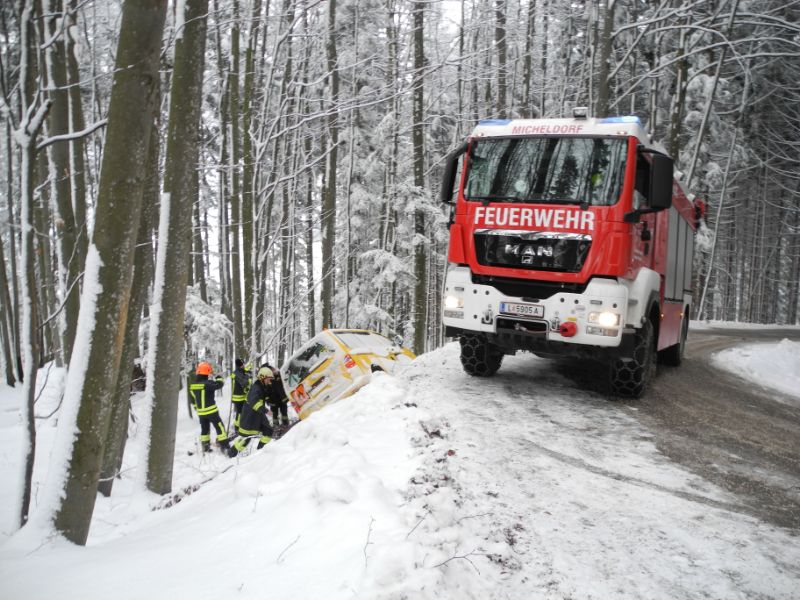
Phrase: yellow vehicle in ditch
(336, 363)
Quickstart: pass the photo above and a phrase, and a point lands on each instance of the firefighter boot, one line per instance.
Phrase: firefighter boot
(206, 446)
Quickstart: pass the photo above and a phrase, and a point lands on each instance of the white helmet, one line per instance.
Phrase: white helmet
(265, 372)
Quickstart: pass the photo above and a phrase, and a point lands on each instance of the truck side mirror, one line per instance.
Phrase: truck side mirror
(660, 196)
(449, 176)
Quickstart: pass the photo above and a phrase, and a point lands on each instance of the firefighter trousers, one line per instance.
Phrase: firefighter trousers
(206, 421)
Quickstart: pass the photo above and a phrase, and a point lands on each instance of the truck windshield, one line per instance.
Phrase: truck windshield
(571, 170)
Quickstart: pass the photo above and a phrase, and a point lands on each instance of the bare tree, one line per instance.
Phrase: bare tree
(175, 238)
(32, 112)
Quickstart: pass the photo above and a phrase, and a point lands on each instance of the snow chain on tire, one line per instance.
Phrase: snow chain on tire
(479, 357)
(631, 375)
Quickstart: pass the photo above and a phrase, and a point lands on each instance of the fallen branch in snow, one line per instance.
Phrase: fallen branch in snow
(465, 557)
(172, 500)
(418, 524)
(115, 475)
(369, 533)
(285, 550)
(474, 517)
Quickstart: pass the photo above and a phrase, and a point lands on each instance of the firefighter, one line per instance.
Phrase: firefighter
(254, 421)
(241, 385)
(279, 403)
(202, 394)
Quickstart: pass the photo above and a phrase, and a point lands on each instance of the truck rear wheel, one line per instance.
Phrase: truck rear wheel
(479, 357)
(630, 375)
(673, 356)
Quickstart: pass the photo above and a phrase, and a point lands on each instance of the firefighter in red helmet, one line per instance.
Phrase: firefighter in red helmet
(202, 394)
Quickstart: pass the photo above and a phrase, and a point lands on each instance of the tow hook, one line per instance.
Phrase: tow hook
(488, 316)
(555, 324)
(568, 329)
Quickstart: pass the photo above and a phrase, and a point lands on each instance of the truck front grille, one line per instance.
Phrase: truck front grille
(534, 250)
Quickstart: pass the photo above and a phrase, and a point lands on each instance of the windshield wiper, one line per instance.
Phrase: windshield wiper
(584, 203)
(485, 199)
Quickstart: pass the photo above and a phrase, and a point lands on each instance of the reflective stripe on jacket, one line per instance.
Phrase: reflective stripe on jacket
(202, 392)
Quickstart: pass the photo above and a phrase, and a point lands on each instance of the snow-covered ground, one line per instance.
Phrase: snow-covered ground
(429, 484)
(775, 366)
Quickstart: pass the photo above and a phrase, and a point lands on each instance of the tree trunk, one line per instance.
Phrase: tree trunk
(72, 490)
(679, 97)
(77, 150)
(236, 200)
(31, 116)
(248, 182)
(114, 446)
(601, 107)
(308, 207)
(175, 239)
(199, 252)
(418, 142)
(48, 330)
(329, 194)
(58, 153)
(527, 63)
(14, 312)
(502, 57)
(543, 64)
(5, 324)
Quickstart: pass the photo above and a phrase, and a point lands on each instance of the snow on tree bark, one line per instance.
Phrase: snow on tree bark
(71, 487)
(175, 230)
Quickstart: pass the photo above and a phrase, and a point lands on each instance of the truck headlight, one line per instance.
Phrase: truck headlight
(453, 302)
(604, 319)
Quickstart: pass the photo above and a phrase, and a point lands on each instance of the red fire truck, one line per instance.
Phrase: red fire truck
(568, 237)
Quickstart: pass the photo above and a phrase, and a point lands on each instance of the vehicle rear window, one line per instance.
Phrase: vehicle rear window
(305, 362)
(364, 341)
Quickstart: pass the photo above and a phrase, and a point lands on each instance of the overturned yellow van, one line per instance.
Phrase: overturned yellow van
(335, 363)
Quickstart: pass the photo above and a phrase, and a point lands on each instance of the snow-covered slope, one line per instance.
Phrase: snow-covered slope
(430, 484)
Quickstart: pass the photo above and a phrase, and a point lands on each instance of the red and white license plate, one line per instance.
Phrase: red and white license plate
(522, 310)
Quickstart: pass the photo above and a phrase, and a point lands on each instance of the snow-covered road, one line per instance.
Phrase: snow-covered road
(587, 505)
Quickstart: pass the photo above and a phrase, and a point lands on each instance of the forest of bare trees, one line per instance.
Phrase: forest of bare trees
(220, 178)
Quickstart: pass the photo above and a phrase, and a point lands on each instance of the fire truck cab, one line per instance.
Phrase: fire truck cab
(568, 237)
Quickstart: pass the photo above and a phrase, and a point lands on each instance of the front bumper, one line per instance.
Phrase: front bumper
(477, 308)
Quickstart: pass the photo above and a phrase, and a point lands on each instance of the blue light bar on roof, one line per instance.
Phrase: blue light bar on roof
(627, 119)
(496, 122)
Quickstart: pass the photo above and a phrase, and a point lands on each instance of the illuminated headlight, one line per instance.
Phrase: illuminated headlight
(453, 302)
(604, 319)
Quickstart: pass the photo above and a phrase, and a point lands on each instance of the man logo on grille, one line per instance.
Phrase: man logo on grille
(531, 251)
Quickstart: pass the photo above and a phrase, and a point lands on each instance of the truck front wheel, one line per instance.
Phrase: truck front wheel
(478, 356)
(630, 375)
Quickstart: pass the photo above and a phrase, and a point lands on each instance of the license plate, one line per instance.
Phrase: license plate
(522, 310)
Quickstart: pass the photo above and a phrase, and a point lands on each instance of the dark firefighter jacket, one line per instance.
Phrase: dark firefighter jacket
(241, 384)
(278, 393)
(202, 392)
(254, 411)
